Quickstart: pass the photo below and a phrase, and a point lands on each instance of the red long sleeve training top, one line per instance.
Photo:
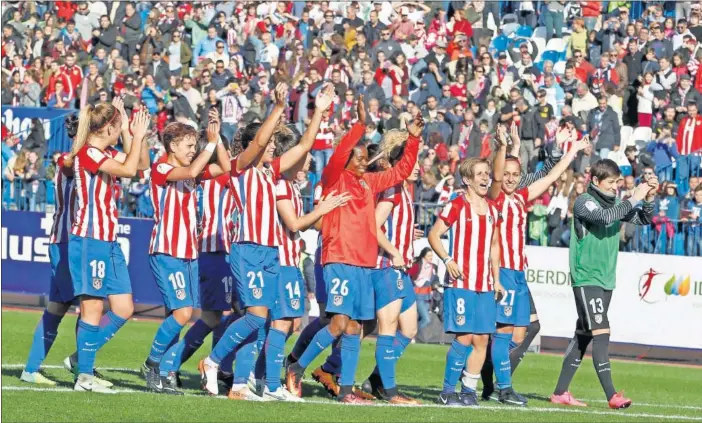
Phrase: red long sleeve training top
(349, 232)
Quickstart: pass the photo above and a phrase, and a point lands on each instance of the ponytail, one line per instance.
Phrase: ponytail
(81, 134)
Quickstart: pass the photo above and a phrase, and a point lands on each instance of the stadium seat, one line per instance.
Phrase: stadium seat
(524, 31)
(640, 134)
(559, 67)
(500, 43)
(540, 46)
(557, 44)
(540, 32)
(625, 136)
(551, 55)
(509, 18)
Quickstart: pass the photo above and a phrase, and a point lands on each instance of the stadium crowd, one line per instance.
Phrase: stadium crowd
(589, 68)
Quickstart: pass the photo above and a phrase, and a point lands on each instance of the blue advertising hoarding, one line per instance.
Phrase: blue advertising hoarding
(25, 254)
(19, 121)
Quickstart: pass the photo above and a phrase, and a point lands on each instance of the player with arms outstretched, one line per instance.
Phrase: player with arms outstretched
(594, 245)
(97, 265)
(350, 251)
(469, 301)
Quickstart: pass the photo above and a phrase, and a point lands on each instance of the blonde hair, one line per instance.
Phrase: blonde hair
(393, 139)
(92, 119)
(467, 167)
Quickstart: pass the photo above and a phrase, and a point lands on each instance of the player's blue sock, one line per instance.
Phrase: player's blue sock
(306, 337)
(44, 337)
(512, 346)
(385, 360)
(235, 334)
(245, 358)
(166, 332)
(332, 364)
(88, 341)
(193, 339)
(319, 343)
(218, 331)
(228, 362)
(350, 349)
(260, 367)
(400, 344)
(275, 352)
(455, 362)
(109, 325)
(500, 359)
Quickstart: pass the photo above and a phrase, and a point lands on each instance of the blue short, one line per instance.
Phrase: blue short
(256, 269)
(177, 279)
(409, 296)
(290, 301)
(515, 307)
(350, 291)
(216, 281)
(388, 286)
(61, 289)
(320, 288)
(468, 311)
(98, 268)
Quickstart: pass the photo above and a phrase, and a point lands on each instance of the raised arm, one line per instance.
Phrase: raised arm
(338, 160)
(198, 165)
(590, 211)
(644, 214)
(144, 159)
(541, 185)
(302, 223)
(264, 134)
(498, 171)
(224, 164)
(495, 252)
(129, 168)
(383, 180)
(551, 160)
(299, 152)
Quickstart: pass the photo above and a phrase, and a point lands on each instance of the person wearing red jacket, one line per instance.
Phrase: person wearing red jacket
(690, 131)
(66, 9)
(591, 11)
(350, 250)
(461, 25)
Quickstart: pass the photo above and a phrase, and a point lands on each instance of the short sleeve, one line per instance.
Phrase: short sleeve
(282, 190)
(112, 152)
(392, 195)
(449, 214)
(91, 158)
(159, 173)
(524, 192)
(234, 171)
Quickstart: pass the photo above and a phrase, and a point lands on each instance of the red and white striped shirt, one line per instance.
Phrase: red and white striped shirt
(254, 198)
(325, 136)
(175, 214)
(65, 195)
(291, 243)
(216, 210)
(513, 210)
(96, 216)
(472, 239)
(316, 197)
(399, 227)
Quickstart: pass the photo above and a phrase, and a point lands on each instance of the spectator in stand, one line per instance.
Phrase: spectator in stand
(35, 186)
(603, 127)
(31, 90)
(424, 274)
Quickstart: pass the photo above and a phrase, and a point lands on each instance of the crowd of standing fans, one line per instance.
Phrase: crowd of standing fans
(622, 73)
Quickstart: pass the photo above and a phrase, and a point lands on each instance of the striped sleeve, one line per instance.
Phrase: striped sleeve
(588, 210)
(551, 161)
(640, 215)
(282, 190)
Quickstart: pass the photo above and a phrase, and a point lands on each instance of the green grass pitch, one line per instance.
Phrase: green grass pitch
(659, 392)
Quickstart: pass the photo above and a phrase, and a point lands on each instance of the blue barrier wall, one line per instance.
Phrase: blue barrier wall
(25, 254)
(19, 119)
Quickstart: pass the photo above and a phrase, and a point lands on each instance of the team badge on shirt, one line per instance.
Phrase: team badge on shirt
(598, 318)
(295, 303)
(257, 293)
(180, 294)
(460, 320)
(338, 299)
(228, 297)
(489, 219)
(508, 311)
(97, 283)
(400, 284)
(364, 184)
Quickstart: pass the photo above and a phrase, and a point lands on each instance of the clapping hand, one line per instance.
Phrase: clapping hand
(281, 94)
(417, 126)
(325, 97)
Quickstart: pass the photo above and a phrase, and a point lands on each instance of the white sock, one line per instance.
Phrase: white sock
(469, 380)
(210, 363)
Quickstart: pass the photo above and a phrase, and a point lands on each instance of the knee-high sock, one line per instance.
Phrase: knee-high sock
(500, 359)
(245, 358)
(332, 364)
(571, 362)
(193, 339)
(235, 334)
(350, 349)
(386, 362)
(110, 324)
(517, 354)
(486, 373)
(260, 367)
(400, 344)
(306, 337)
(319, 343)
(275, 353)
(600, 359)
(228, 361)
(455, 362)
(88, 342)
(168, 330)
(218, 331)
(44, 337)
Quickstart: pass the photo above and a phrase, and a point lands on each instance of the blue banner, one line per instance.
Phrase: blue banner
(19, 121)
(25, 254)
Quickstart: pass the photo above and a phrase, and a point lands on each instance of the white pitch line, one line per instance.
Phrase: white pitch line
(55, 366)
(482, 407)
